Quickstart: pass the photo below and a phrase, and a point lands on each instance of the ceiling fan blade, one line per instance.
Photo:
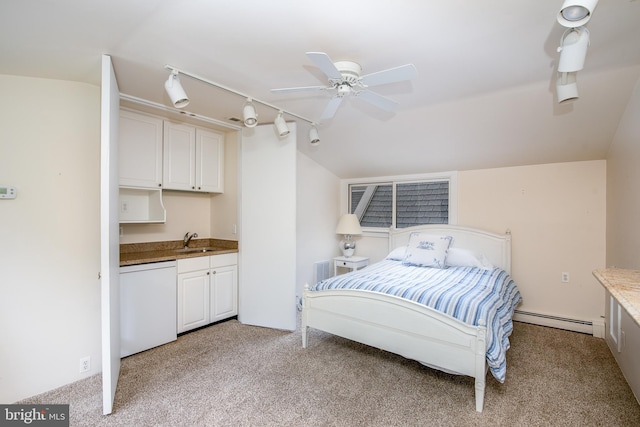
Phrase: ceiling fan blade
(325, 64)
(331, 108)
(392, 75)
(298, 89)
(379, 101)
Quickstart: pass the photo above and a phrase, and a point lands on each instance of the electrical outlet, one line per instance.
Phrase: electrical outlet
(85, 364)
(565, 277)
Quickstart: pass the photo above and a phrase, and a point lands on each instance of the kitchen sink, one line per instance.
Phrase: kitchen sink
(194, 250)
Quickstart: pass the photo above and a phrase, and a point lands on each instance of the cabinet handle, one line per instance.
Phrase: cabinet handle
(214, 272)
(208, 273)
(159, 185)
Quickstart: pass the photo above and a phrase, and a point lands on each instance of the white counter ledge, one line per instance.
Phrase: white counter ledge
(624, 286)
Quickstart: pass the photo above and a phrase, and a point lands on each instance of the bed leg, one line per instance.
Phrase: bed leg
(304, 336)
(480, 385)
(303, 320)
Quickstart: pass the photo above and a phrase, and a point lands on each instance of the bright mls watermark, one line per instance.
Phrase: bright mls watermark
(34, 415)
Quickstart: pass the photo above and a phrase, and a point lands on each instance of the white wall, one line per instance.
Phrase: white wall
(556, 213)
(50, 234)
(224, 207)
(186, 212)
(623, 197)
(318, 209)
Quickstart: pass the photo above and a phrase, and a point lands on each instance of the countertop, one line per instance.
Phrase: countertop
(624, 286)
(143, 253)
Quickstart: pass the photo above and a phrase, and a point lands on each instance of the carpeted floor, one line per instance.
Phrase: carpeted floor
(231, 374)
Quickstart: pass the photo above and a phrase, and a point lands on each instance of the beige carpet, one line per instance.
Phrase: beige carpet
(235, 375)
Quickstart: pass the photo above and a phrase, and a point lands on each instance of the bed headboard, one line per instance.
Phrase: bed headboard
(496, 247)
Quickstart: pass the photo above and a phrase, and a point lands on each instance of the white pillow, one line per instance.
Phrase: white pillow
(397, 254)
(458, 257)
(427, 250)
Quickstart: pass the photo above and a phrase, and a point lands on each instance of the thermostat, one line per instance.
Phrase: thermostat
(7, 192)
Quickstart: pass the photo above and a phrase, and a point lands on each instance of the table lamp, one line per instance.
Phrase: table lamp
(348, 226)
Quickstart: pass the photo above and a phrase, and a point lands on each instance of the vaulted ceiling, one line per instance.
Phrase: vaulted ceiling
(484, 95)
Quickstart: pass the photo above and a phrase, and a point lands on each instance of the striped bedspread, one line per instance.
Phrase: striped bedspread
(469, 294)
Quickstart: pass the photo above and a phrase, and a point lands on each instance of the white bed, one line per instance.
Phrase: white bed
(405, 327)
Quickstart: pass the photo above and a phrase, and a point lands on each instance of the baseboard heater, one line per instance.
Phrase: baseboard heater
(588, 327)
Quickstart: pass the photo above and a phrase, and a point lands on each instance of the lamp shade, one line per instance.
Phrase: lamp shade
(349, 225)
(575, 13)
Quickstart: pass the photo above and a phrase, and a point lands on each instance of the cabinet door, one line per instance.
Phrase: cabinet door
(179, 157)
(193, 300)
(224, 293)
(140, 150)
(209, 161)
(612, 333)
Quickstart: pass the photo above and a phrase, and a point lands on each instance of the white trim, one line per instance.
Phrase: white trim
(183, 113)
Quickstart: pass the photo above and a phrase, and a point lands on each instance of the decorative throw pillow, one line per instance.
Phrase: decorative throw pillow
(458, 257)
(427, 250)
(397, 254)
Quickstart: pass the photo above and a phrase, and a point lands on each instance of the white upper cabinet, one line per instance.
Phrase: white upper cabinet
(193, 159)
(140, 150)
(209, 161)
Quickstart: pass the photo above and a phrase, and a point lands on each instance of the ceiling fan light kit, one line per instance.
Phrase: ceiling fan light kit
(573, 15)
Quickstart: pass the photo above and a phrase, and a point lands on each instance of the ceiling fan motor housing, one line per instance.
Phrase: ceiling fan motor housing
(350, 72)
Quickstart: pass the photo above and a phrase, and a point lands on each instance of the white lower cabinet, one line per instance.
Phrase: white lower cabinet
(207, 290)
(623, 338)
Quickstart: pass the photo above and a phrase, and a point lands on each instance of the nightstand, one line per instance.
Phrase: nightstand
(354, 263)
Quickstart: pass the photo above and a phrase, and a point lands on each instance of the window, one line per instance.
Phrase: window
(401, 204)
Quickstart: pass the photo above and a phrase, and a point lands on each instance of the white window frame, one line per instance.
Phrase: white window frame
(451, 176)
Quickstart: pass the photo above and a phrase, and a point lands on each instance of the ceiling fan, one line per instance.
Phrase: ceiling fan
(346, 80)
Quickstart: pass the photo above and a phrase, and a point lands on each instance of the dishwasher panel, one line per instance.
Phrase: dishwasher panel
(147, 306)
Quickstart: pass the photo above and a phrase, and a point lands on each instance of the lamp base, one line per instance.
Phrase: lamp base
(348, 248)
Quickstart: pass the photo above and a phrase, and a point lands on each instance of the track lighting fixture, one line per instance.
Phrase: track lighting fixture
(249, 114)
(573, 49)
(250, 117)
(175, 91)
(314, 139)
(566, 87)
(281, 125)
(575, 13)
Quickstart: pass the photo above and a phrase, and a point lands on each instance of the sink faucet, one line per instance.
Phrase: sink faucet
(187, 239)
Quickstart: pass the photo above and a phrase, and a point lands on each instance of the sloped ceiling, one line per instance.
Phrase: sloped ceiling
(484, 96)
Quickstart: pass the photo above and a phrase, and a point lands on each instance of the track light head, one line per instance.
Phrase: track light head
(566, 87)
(573, 49)
(281, 125)
(175, 91)
(249, 114)
(314, 138)
(575, 13)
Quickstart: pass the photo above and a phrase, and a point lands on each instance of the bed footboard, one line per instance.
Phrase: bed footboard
(401, 327)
